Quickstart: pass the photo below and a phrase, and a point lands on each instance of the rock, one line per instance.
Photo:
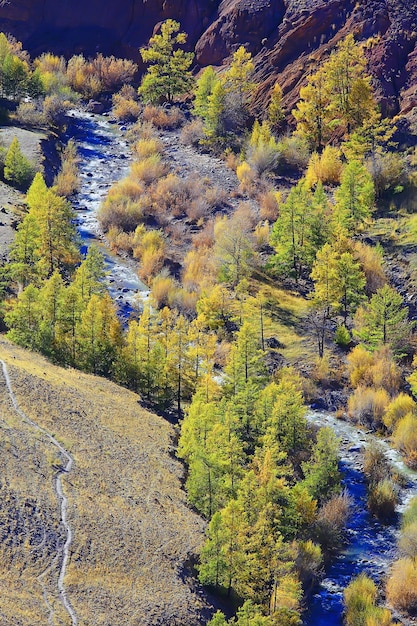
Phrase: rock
(95, 107)
(288, 38)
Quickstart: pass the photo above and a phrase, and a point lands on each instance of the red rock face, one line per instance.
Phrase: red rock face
(288, 38)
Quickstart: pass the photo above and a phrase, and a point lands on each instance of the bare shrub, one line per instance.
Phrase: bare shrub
(94, 76)
(366, 406)
(148, 170)
(331, 519)
(370, 259)
(205, 238)
(405, 438)
(173, 195)
(162, 289)
(398, 408)
(119, 240)
(375, 464)
(232, 159)
(184, 301)
(402, 585)
(147, 146)
(268, 205)
(55, 110)
(140, 130)
(30, 114)
(294, 152)
(215, 196)
(263, 159)
(382, 499)
(125, 104)
(198, 209)
(161, 117)
(192, 133)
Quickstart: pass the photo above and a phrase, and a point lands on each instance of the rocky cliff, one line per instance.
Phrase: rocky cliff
(287, 37)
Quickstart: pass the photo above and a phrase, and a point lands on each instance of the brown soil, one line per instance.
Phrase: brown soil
(133, 534)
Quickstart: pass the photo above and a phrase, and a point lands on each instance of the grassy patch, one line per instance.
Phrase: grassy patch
(133, 531)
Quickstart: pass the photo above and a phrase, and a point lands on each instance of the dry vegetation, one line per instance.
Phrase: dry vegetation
(133, 532)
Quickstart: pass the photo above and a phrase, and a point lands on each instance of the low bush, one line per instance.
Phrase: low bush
(192, 133)
(342, 336)
(331, 519)
(269, 202)
(125, 104)
(374, 369)
(376, 466)
(148, 170)
(168, 119)
(382, 499)
(360, 597)
(119, 241)
(30, 114)
(371, 260)
(407, 543)
(294, 153)
(308, 562)
(245, 175)
(405, 438)
(367, 405)
(325, 168)
(263, 159)
(402, 586)
(67, 180)
(147, 146)
(399, 407)
(410, 514)
(163, 288)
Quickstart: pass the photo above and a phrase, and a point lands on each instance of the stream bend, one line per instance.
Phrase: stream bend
(63, 501)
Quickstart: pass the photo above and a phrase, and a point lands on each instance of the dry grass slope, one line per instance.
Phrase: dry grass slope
(132, 529)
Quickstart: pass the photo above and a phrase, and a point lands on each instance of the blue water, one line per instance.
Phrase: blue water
(104, 159)
(370, 546)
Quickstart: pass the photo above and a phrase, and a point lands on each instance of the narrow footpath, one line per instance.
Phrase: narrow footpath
(63, 554)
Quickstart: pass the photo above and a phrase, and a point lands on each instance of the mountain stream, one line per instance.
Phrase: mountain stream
(371, 545)
(104, 159)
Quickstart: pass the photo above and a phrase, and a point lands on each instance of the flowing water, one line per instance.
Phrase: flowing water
(104, 159)
(371, 545)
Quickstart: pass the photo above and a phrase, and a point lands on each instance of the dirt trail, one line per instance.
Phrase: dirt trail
(61, 497)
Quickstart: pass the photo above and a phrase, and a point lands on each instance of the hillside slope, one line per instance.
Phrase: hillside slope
(132, 531)
(287, 37)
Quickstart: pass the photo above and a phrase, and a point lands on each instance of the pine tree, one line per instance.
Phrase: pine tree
(276, 114)
(383, 321)
(291, 232)
(354, 198)
(204, 88)
(168, 74)
(18, 171)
